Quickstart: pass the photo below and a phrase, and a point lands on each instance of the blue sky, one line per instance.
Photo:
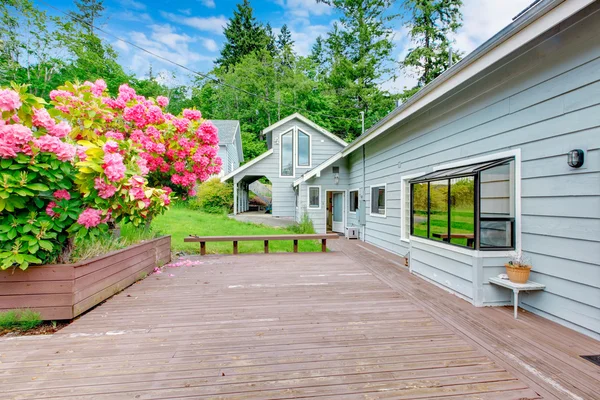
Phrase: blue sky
(189, 32)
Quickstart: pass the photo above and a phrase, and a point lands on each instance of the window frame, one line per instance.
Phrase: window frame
(297, 148)
(384, 215)
(293, 175)
(515, 192)
(308, 206)
(357, 200)
(406, 212)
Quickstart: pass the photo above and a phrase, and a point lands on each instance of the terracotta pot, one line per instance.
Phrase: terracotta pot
(518, 274)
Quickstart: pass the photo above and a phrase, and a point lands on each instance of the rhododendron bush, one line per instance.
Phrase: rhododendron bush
(87, 161)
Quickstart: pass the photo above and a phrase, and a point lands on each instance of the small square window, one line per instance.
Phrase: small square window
(314, 197)
(336, 170)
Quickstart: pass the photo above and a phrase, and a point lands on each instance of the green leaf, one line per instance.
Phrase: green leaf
(46, 245)
(87, 123)
(5, 163)
(40, 187)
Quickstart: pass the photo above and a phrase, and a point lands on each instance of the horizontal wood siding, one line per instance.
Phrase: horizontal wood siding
(65, 291)
(322, 148)
(545, 102)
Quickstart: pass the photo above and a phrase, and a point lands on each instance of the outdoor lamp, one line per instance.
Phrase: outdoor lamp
(575, 158)
(336, 178)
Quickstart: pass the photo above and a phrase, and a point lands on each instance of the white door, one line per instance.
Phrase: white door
(337, 212)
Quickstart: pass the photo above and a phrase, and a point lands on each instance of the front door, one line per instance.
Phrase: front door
(337, 212)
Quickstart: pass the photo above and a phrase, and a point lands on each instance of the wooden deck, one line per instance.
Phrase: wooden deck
(349, 324)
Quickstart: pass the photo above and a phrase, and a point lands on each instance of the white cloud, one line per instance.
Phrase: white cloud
(135, 5)
(207, 24)
(208, 3)
(210, 44)
(122, 46)
(304, 8)
(482, 19)
(304, 37)
(134, 16)
(186, 11)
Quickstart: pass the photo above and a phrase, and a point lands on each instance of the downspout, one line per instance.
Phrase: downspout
(364, 211)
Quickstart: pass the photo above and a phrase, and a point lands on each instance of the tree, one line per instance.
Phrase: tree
(243, 34)
(88, 14)
(430, 24)
(271, 45)
(284, 39)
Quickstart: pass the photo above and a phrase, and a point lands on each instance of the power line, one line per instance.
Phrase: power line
(205, 76)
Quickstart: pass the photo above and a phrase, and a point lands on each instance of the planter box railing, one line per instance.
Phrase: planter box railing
(64, 291)
(266, 238)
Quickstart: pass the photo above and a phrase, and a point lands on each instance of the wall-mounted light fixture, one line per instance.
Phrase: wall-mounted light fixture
(575, 158)
(336, 174)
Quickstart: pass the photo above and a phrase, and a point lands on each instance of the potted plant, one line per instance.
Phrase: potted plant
(518, 268)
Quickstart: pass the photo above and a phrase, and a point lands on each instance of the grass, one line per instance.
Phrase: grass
(20, 319)
(462, 221)
(180, 222)
(130, 235)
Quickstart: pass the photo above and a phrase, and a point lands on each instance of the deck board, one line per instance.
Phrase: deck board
(349, 324)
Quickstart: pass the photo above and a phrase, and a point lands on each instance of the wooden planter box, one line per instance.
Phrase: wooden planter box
(63, 291)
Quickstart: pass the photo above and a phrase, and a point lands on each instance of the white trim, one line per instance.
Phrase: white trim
(403, 180)
(308, 206)
(463, 250)
(344, 220)
(249, 164)
(307, 122)
(317, 170)
(310, 147)
(385, 193)
(293, 132)
(350, 191)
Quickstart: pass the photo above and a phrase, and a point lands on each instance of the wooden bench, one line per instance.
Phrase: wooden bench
(235, 239)
(444, 236)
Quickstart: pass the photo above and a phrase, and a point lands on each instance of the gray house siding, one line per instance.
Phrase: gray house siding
(326, 183)
(283, 194)
(544, 101)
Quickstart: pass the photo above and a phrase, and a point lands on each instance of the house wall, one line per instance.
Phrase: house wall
(325, 182)
(222, 153)
(233, 157)
(544, 102)
(284, 197)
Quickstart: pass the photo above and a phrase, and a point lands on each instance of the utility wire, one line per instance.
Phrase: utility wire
(205, 76)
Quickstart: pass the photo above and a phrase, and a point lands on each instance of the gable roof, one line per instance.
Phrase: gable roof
(307, 122)
(229, 133)
(249, 164)
(527, 26)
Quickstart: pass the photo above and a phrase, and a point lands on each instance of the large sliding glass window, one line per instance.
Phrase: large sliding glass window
(303, 149)
(470, 206)
(287, 154)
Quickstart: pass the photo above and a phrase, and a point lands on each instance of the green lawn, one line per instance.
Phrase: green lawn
(180, 222)
(462, 222)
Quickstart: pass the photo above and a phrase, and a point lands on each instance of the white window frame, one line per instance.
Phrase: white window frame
(292, 131)
(405, 236)
(384, 215)
(308, 206)
(516, 153)
(297, 148)
(357, 201)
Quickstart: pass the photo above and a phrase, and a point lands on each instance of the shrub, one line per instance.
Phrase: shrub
(215, 197)
(304, 226)
(20, 319)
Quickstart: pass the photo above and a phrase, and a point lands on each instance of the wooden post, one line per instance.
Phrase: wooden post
(324, 245)
(266, 246)
(202, 248)
(295, 245)
(235, 247)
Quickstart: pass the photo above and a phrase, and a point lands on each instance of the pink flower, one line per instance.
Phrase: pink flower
(143, 165)
(105, 190)
(52, 144)
(98, 87)
(114, 135)
(179, 166)
(13, 138)
(62, 194)
(162, 101)
(60, 93)
(181, 124)
(81, 153)
(135, 114)
(50, 210)
(126, 93)
(191, 193)
(111, 147)
(154, 115)
(60, 130)
(208, 133)
(9, 100)
(193, 115)
(165, 199)
(90, 218)
(114, 167)
(41, 118)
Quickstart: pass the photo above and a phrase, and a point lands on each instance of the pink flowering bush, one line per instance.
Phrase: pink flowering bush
(90, 161)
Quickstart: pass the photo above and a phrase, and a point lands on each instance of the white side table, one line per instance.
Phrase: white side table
(516, 288)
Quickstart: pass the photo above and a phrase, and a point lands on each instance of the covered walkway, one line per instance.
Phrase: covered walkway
(349, 324)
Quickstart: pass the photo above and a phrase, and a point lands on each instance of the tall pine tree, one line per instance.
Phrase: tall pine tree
(243, 34)
(430, 24)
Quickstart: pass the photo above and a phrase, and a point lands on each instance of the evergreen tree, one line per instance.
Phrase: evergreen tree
(271, 45)
(430, 25)
(284, 40)
(243, 34)
(89, 11)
